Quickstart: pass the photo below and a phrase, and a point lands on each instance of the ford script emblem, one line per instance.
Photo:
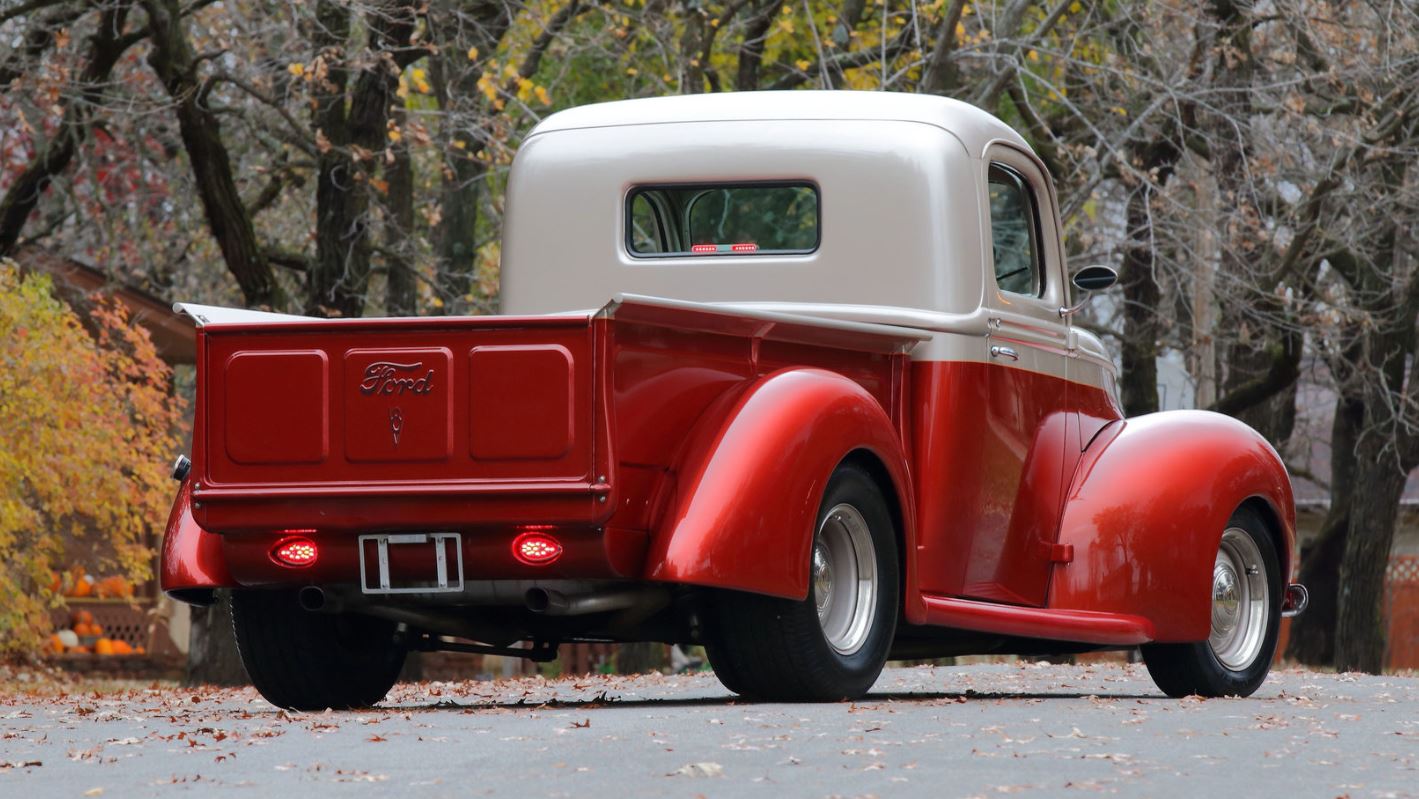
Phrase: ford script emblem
(389, 378)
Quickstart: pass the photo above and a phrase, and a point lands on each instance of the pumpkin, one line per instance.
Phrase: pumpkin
(103, 647)
(113, 588)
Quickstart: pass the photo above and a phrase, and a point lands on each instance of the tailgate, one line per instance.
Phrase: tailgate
(398, 423)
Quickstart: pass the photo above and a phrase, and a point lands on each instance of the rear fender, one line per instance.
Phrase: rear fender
(750, 481)
(1146, 511)
(192, 560)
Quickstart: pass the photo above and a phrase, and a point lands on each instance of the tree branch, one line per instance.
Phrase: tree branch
(858, 58)
(1283, 370)
(106, 46)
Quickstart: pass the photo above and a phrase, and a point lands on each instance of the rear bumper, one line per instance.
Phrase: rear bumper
(423, 507)
(195, 561)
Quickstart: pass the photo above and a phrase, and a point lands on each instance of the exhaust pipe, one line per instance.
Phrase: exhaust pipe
(555, 603)
(312, 598)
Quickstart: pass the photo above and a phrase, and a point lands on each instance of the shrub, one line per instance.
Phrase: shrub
(87, 423)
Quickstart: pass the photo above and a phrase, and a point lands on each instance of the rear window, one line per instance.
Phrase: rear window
(723, 219)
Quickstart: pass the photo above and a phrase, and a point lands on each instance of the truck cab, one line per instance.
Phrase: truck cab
(794, 376)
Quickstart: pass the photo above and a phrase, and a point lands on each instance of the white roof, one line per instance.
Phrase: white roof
(975, 128)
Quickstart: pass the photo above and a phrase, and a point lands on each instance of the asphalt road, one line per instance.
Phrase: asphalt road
(1029, 729)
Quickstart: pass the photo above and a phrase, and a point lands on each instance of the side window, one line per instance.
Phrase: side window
(1014, 232)
(647, 233)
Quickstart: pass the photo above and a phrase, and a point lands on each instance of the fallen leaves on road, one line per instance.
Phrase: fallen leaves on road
(698, 770)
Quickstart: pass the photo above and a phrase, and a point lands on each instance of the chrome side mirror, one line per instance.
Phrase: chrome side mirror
(1088, 280)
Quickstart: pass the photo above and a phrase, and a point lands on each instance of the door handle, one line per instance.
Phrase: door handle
(997, 351)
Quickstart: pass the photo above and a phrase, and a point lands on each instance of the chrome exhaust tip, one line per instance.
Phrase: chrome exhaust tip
(1295, 601)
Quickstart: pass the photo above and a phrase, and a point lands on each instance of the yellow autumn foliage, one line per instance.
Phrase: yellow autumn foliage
(87, 426)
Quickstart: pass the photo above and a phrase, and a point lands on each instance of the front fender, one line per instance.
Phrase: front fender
(750, 481)
(1146, 511)
(192, 560)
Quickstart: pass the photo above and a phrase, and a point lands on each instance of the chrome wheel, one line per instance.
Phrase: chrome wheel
(844, 578)
(1241, 602)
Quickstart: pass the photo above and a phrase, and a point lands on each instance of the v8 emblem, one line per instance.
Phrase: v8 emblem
(396, 423)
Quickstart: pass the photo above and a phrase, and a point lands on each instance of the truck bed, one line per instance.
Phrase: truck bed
(462, 423)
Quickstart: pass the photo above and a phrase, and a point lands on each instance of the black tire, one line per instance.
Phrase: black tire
(1189, 669)
(312, 661)
(776, 649)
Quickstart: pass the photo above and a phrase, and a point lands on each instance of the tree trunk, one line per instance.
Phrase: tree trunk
(330, 286)
(212, 657)
(1138, 383)
(401, 289)
(640, 658)
(458, 94)
(751, 48)
(355, 126)
(227, 218)
(1141, 293)
(1312, 640)
(458, 242)
(1360, 616)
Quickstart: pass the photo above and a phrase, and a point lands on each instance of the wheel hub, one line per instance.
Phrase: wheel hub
(822, 581)
(1241, 602)
(1225, 599)
(844, 574)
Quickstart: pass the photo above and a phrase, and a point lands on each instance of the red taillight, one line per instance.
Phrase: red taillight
(704, 248)
(536, 548)
(749, 247)
(295, 551)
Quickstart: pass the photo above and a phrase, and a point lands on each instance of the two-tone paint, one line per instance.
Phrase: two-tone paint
(685, 435)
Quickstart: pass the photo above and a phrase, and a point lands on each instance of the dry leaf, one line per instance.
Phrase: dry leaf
(698, 770)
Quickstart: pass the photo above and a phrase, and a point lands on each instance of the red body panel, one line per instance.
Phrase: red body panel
(1146, 513)
(385, 425)
(693, 446)
(501, 422)
(192, 557)
(993, 451)
(748, 489)
(1089, 627)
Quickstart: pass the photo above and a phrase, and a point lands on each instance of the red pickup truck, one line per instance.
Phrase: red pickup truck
(790, 375)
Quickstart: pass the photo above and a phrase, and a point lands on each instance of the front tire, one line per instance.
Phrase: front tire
(1246, 620)
(832, 644)
(312, 661)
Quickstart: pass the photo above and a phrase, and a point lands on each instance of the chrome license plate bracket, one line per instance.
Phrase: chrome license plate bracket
(446, 549)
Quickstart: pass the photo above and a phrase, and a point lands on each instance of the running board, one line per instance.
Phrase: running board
(1082, 626)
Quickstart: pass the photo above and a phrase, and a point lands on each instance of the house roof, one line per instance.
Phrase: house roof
(76, 281)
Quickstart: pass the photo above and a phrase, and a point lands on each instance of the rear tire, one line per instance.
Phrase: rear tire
(1246, 620)
(832, 644)
(312, 661)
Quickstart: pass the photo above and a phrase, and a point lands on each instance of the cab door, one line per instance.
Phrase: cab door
(1027, 419)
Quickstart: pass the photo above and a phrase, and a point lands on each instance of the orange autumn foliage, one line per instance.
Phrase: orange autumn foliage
(89, 423)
